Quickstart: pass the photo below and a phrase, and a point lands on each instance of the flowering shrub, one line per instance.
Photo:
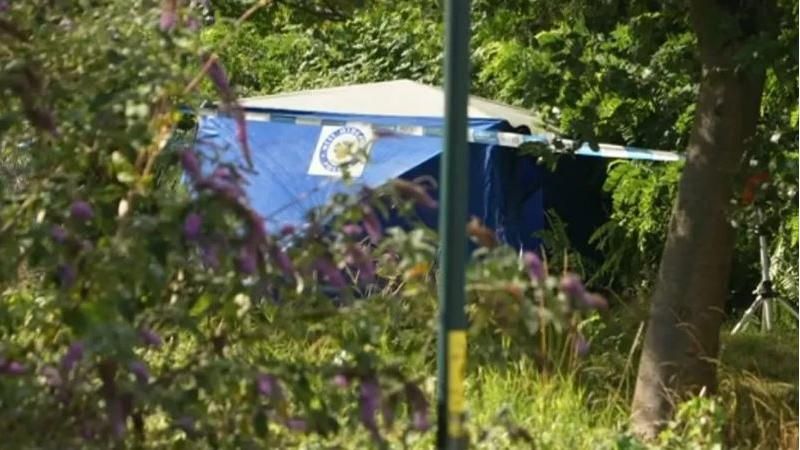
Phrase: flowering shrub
(146, 304)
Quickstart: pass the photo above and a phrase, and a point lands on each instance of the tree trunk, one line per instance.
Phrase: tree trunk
(682, 339)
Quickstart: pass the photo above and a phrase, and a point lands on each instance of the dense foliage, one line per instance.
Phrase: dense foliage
(144, 304)
(621, 71)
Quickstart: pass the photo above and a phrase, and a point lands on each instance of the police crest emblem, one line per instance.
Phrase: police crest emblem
(341, 149)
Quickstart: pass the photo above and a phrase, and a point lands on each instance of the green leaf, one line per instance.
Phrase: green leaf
(201, 305)
(549, 37)
(76, 319)
(119, 162)
(260, 423)
(126, 177)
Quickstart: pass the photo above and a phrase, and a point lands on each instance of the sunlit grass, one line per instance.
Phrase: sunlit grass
(759, 388)
(553, 409)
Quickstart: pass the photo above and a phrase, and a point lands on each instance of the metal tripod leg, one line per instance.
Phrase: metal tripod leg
(766, 303)
(788, 306)
(766, 314)
(765, 294)
(748, 315)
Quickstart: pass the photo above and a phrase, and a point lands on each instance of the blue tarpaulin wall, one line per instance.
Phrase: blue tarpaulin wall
(504, 185)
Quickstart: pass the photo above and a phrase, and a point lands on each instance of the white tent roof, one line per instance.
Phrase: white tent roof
(389, 98)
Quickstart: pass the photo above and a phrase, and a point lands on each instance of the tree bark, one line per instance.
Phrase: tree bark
(682, 339)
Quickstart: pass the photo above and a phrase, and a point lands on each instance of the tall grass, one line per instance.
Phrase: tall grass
(759, 388)
(554, 410)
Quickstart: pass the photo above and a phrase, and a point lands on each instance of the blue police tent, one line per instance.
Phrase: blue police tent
(299, 140)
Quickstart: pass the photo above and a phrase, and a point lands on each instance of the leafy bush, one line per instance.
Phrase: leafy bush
(632, 240)
(145, 303)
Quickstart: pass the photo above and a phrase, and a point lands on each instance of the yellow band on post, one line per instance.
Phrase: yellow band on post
(457, 360)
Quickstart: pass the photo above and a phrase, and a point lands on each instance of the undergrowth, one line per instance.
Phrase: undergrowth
(584, 404)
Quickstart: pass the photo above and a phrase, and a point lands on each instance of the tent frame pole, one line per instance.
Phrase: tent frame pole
(451, 405)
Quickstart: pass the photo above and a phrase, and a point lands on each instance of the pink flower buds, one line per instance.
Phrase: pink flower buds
(352, 230)
(58, 234)
(414, 192)
(369, 401)
(190, 163)
(418, 407)
(535, 266)
(169, 15)
(192, 226)
(73, 355)
(81, 211)
(372, 225)
(150, 338)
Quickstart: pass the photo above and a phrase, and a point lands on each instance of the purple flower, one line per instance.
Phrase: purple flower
(81, 211)
(331, 273)
(283, 261)
(595, 301)
(58, 234)
(581, 345)
(372, 224)
(169, 15)
(246, 261)
(140, 371)
(287, 230)
(218, 77)
(66, 274)
(420, 421)
(258, 230)
(223, 186)
(418, 406)
(340, 380)
(571, 285)
(241, 134)
(150, 338)
(297, 424)
(535, 266)
(224, 173)
(4, 6)
(192, 226)
(193, 24)
(574, 289)
(190, 163)
(356, 257)
(12, 368)
(117, 410)
(352, 230)
(369, 401)
(414, 192)
(72, 356)
(268, 386)
(210, 255)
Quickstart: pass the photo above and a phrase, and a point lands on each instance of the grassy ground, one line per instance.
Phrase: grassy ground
(759, 385)
(758, 399)
(585, 405)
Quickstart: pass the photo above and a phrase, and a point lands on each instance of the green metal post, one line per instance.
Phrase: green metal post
(452, 229)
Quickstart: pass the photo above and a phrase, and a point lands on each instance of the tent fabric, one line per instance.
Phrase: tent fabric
(397, 98)
(282, 190)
